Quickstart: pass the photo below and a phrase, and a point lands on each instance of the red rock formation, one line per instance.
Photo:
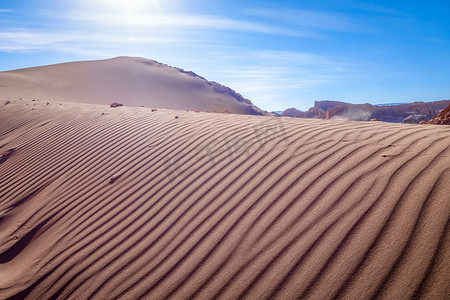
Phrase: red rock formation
(407, 113)
(324, 105)
(312, 113)
(443, 118)
(294, 113)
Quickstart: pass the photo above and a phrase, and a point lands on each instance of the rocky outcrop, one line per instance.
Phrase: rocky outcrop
(221, 89)
(324, 105)
(387, 114)
(294, 113)
(315, 113)
(312, 113)
(443, 118)
(115, 104)
(412, 113)
(415, 119)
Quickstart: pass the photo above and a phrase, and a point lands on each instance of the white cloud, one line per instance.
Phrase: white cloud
(268, 78)
(275, 79)
(23, 40)
(158, 21)
(26, 40)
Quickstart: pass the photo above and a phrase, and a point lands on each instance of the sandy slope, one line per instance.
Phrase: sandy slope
(133, 81)
(133, 203)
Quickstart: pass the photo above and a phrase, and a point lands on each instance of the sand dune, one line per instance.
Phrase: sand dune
(107, 203)
(133, 81)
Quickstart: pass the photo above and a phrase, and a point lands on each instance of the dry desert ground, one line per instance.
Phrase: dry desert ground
(127, 203)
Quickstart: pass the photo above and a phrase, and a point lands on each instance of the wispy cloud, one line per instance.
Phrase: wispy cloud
(137, 29)
(28, 40)
(24, 39)
(210, 22)
(2, 10)
(298, 59)
(307, 23)
(310, 19)
(270, 78)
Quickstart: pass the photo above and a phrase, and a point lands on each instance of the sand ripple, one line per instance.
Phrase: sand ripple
(135, 203)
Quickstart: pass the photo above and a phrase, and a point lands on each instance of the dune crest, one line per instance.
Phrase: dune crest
(133, 81)
(127, 203)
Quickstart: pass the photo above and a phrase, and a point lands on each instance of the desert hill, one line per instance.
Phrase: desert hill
(133, 81)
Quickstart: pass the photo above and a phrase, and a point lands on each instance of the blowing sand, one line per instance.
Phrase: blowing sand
(99, 202)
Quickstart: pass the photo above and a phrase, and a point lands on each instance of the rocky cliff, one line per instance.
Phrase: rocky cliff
(407, 113)
(443, 118)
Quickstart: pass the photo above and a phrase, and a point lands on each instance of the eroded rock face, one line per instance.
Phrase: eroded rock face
(315, 113)
(312, 113)
(294, 113)
(443, 118)
(324, 105)
(412, 113)
(389, 115)
(415, 119)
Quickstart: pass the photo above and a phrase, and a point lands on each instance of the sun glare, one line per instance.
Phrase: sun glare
(127, 6)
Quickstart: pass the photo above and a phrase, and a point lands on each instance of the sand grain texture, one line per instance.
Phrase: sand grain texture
(106, 203)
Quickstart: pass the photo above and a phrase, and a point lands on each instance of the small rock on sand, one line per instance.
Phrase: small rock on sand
(7, 152)
(115, 104)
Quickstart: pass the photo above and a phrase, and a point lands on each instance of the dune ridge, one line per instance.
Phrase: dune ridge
(132, 81)
(99, 202)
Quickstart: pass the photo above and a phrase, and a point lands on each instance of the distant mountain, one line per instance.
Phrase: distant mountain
(391, 104)
(407, 113)
(133, 81)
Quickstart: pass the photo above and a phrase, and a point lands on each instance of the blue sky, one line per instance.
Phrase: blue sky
(279, 54)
